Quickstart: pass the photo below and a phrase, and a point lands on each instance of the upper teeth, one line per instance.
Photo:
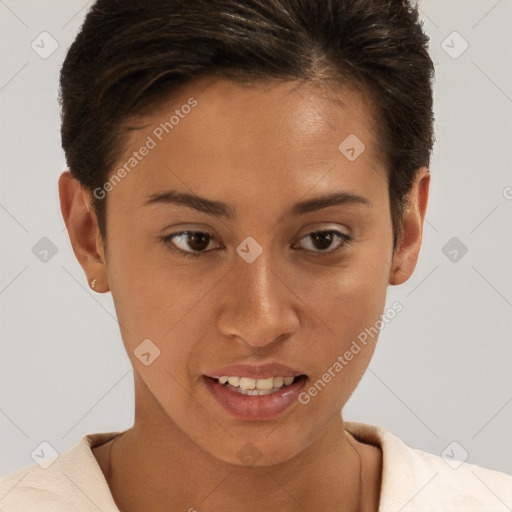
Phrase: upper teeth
(261, 384)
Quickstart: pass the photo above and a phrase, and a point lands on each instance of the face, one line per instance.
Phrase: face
(260, 278)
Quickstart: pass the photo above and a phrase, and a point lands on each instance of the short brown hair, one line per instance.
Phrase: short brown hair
(129, 52)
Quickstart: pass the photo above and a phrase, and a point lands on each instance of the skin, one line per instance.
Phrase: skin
(259, 148)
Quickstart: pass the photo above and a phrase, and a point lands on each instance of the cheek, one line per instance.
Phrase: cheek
(163, 306)
(145, 307)
(158, 322)
(346, 340)
(350, 312)
(348, 302)
(350, 296)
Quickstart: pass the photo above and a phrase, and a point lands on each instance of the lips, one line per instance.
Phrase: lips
(255, 371)
(257, 407)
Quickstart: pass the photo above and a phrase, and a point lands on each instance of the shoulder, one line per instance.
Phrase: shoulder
(72, 481)
(414, 480)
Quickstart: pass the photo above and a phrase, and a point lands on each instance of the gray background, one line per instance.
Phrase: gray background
(442, 368)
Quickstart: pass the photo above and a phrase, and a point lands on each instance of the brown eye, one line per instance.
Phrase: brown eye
(322, 240)
(189, 243)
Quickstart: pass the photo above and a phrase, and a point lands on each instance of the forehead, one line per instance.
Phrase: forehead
(214, 134)
(265, 107)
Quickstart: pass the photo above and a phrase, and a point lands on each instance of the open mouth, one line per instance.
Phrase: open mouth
(242, 399)
(257, 387)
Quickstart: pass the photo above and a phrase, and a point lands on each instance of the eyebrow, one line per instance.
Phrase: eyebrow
(220, 209)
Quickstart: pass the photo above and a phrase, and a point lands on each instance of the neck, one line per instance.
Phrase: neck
(146, 475)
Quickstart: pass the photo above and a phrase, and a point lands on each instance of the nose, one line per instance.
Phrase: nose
(257, 306)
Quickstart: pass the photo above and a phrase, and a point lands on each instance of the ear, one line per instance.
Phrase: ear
(406, 256)
(83, 230)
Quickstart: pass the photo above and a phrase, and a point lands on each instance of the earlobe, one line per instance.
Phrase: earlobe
(406, 256)
(83, 231)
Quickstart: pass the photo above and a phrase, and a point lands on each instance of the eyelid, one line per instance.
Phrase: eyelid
(345, 240)
(168, 240)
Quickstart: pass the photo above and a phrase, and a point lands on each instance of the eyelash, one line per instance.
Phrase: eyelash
(168, 241)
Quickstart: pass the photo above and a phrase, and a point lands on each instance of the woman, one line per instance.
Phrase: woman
(247, 178)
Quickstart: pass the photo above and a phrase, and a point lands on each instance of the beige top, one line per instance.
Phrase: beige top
(412, 480)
